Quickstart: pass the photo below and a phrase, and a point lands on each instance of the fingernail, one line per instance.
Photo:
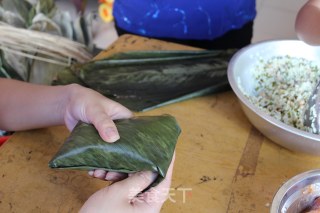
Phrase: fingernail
(99, 173)
(112, 134)
(110, 176)
(154, 176)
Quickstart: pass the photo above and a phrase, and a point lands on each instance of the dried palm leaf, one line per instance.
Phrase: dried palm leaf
(30, 53)
(28, 43)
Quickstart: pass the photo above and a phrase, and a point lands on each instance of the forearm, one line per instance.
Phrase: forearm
(307, 22)
(27, 106)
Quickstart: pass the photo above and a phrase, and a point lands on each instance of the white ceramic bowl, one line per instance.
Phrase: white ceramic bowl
(240, 71)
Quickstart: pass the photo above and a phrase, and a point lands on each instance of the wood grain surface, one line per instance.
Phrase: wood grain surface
(223, 164)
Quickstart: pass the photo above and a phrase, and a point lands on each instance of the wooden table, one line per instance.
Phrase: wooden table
(223, 164)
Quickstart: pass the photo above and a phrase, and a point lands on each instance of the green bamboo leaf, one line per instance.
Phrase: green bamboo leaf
(144, 80)
(65, 77)
(146, 143)
(47, 7)
(6, 71)
(11, 18)
(32, 13)
(64, 20)
(169, 54)
(41, 22)
(21, 7)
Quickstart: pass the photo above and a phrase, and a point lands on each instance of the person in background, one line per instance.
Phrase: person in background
(307, 22)
(27, 106)
(208, 24)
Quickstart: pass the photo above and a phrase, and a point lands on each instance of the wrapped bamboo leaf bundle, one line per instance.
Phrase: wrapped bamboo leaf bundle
(146, 143)
(147, 79)
(6, 71)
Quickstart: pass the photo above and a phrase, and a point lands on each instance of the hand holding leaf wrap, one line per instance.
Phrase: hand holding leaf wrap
(146, 143)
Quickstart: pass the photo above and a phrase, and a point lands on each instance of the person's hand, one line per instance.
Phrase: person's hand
(124, 196)
(306, 23)
(109, 176)
(91, 107)
(45, 106)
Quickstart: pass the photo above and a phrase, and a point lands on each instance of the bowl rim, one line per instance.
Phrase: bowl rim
(288, 185)
(235, 87)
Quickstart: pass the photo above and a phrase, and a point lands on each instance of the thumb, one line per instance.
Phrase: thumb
(136, 183)
(104, 122)
(106, 128)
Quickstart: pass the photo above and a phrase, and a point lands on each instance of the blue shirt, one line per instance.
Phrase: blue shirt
(183, 19)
